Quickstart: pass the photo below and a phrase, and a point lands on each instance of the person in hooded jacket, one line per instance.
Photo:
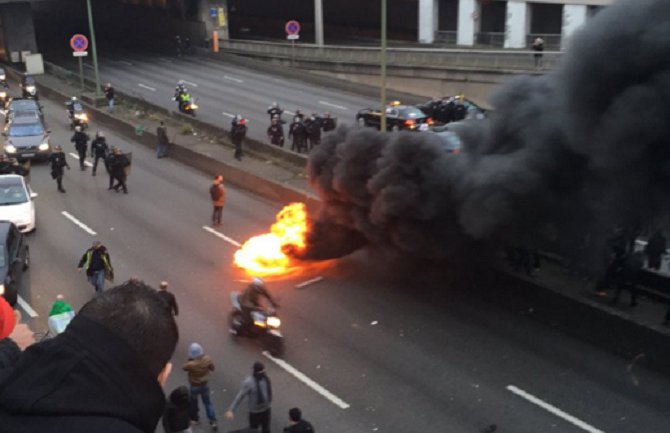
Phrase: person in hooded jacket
(258, 389)
(198, 368)
(101, 375)
(175, 418)
(99, 150)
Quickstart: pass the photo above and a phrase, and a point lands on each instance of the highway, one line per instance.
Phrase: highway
(220, 90)
(384, 350)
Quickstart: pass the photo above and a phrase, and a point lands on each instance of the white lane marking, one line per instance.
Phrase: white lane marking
(167, 60)
(144, 86)
(290, 113)
(81, 225)
(189, 83)
(123, 62)
(307, 381)
(228, 114)
(26, 307)
(328, 104)
(75, 156)
(237, 80)
(222, 236)
(308, 282)
(554, 410)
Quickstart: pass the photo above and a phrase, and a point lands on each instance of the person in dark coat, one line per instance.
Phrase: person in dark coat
(328, 124)
(538, 47)
(276, 133)
(655, 249)
(275, 111)
(176, 418)
(313, 129)
(163, 140)
(58, 163)
(296, 423)
(298, 134)
(168, 297)
(101, 375)
(99, 150)
(80, 140)
(118, 168)
(237, 135)
(109, 94)
(628, 277)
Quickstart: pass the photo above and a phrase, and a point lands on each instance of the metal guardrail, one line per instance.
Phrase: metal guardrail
(491, 60)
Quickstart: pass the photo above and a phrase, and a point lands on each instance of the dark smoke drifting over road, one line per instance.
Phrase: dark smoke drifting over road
(566, 157)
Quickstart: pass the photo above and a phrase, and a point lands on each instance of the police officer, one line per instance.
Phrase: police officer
(275, 111)
(298, 134)
(118, 170)
(313, 129)
(99, 150)
(237, 135)
(328, 124)
(58, 163)
(276, 133)
(110, 161)
(80, 140)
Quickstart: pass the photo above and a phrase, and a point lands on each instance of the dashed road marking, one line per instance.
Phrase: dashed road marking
(144, 86)
(189, 83)
(75, 156)
(553, 410)
(328, 104)
(81, 225)
(124, 62)
(26, 307)
(237, 80)
(290, 113)
(308, 282)
(309, 382)
(228, 114)
(222, 236)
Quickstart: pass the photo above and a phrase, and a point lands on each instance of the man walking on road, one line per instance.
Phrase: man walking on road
(237, 134)
(198, 368)
(58, 163)
(109, 94)
(163, 140)
(118, 170)
(218, 195)
(258, 389)
(168, 297)
(97, 265)
(80, 140)
(99, 150)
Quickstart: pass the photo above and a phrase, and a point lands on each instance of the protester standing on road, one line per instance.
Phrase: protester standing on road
(97, 265)
(198, 368)
(237, 135)
(80, 140)
(276, 133)
(99, 150)
(58, 163)
(655, 249)
(296, 423)
(168, 297)
(102, 375)
(118, 170)
(163, 140)
(218, 195)
(176, 418)
(538, 47)
(109, 94)
(258, 389)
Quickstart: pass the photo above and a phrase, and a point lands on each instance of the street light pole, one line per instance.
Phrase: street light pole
(383, 72)
(318, 22)
(95, 52)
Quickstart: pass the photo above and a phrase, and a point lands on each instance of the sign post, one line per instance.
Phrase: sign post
(79, 43)
(292, 34)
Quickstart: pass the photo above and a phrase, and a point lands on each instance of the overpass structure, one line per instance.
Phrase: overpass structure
(17, 31)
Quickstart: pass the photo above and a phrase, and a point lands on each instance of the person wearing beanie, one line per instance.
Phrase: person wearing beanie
(258, 389)
(198, 368)
(218, 195)
(176, 418)
(296, 423)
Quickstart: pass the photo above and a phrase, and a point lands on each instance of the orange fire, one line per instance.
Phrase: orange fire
(266, 254)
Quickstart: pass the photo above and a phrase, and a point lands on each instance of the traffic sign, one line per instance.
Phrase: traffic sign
(213, 12)
(79, 42)
(292, 27)
(80, 53)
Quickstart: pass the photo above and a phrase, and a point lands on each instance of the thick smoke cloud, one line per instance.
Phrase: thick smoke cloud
(565, 157)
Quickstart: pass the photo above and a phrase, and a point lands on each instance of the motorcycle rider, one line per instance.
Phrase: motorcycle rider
(80, 140)
(184, 99)
(99, 150)
(70, 106)
(275, 111)
(250, 299)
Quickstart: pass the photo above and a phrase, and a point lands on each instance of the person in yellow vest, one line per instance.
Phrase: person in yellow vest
(98, 266)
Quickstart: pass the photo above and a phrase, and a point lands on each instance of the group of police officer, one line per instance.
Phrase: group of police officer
(304, 132)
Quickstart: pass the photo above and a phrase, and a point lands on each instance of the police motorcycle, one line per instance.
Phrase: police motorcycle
(29, 88)
(76, 114)
(185, 105)
(265, 326)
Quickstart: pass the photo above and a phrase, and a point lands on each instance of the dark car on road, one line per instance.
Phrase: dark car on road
(20, 105)
(398, 117)
(453, 109)
(26, 138)
(14, 261)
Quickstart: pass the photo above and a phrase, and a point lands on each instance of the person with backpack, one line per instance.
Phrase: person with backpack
(218, 195)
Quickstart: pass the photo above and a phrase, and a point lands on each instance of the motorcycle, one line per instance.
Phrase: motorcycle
(264, 327)
(77, 117)
(189, 107)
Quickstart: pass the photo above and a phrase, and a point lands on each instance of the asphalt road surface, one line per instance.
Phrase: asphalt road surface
(382, 352)
(220, 90)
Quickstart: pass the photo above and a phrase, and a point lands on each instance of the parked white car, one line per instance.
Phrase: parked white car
(17, 202)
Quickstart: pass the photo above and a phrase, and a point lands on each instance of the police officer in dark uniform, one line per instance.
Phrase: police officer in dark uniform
(276, 133)
(237, 135)
(275, 111)
(110, 161)
(118, 170)
(313, 129)
(58, 163)
(298, 134)
(99, 150)
(328, 124)
(80, 140)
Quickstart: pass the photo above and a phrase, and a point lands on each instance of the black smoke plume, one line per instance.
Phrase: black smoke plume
(564, 158)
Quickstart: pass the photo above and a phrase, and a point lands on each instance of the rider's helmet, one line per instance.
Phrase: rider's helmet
(99, 134)
(73, 99)
(77, 128)
(275, 105)
(258, 283)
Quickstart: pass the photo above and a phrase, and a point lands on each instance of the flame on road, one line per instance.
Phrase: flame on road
(269, 253)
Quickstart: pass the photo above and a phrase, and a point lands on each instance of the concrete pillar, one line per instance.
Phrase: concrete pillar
(19, 31)
(428, 20)
(469, 12)
(517, 24)
(574, 16)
